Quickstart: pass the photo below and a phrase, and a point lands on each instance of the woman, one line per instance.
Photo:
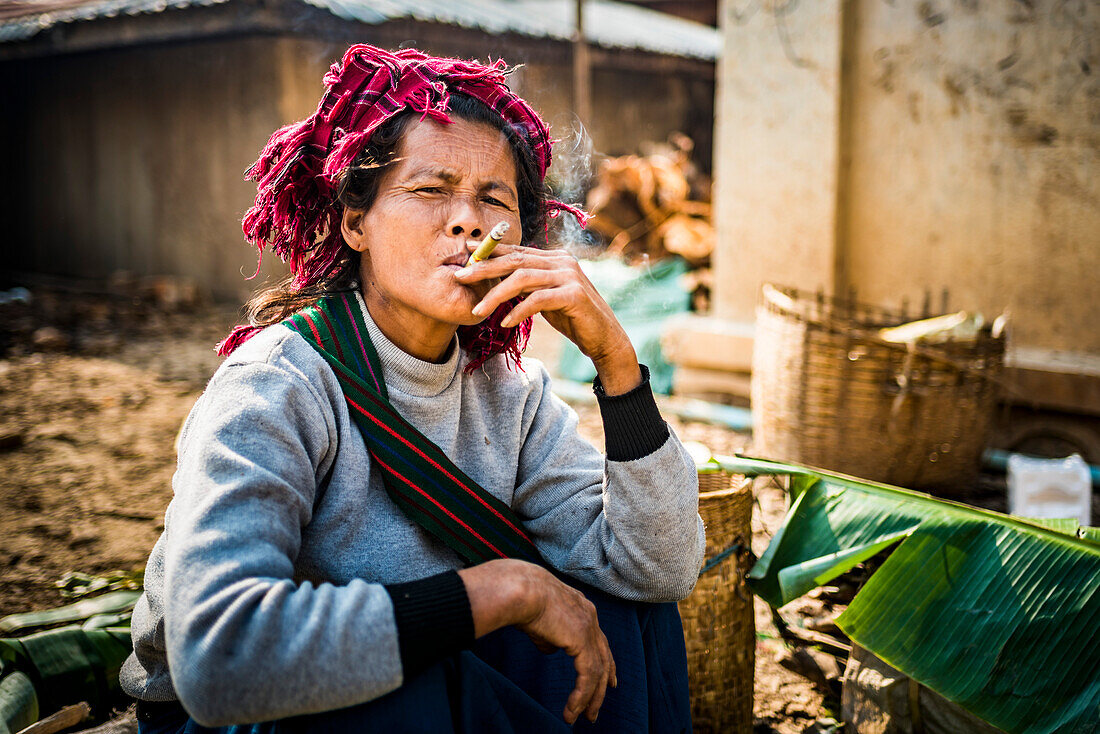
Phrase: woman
(374, 483)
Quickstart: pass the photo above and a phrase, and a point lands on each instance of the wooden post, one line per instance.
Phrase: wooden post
(582, 71)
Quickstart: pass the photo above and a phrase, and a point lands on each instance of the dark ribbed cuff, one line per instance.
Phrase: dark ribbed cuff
(433, 619)
(632, 424)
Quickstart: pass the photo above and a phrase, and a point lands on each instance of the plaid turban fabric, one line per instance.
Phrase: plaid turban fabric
(296, 214)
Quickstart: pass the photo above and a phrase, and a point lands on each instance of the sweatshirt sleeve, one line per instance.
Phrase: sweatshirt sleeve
(628, 522)
(632, 423)
(434, 619)
(245, 640)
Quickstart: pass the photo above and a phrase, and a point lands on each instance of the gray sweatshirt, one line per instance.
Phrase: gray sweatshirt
(265, 596)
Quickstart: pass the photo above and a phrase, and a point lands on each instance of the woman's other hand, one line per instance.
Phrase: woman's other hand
(555, 286)
(554, 615)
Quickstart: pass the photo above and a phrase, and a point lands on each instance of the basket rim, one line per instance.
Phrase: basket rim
(720, 493)
(782, 300)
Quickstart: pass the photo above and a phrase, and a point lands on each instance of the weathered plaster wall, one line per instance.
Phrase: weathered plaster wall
(975, 161)
(903, 147)
(776, 150)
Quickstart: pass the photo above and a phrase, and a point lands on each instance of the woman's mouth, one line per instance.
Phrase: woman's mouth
(457, 260)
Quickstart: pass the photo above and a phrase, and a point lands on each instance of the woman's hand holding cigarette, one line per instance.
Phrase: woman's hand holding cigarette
(555, 286)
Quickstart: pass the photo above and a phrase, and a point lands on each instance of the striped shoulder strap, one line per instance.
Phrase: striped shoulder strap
(418, 476)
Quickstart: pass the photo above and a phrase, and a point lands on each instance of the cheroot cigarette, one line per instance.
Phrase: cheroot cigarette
(496, 234)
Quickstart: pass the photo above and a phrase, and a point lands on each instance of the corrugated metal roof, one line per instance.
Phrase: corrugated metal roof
(607, 23)
(38, 15)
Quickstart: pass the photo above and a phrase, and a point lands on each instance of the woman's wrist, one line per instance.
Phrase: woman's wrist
(501, 593)
(619, 371)
(433, 619)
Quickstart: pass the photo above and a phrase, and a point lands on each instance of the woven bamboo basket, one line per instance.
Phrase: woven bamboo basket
(719, 629)
(828, 392)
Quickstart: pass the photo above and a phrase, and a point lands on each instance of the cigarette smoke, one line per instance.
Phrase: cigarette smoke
(570, 177)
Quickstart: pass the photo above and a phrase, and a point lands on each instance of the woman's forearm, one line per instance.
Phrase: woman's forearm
(554, 615)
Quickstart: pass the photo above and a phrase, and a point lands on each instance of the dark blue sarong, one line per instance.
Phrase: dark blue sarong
(506, 686)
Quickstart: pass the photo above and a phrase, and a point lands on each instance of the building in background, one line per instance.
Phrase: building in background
(911, 147)
(131, 121)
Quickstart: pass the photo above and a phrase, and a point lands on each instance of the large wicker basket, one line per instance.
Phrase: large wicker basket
(829, 392)
(718, 616)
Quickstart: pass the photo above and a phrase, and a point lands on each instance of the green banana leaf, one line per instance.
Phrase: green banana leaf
(999, 614)
(114, 602)
(76, 584)
(18, 702)
(63, 666)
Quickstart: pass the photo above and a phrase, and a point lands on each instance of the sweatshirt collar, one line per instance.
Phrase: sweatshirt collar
(404, 372)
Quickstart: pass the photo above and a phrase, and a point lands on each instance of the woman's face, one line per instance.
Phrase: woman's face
(450, 184)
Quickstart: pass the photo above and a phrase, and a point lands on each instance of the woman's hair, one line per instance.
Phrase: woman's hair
(359, 185)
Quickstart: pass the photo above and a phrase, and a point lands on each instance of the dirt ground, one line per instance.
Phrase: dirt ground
(88, 418)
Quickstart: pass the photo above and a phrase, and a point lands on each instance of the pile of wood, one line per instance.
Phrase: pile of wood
(649, 207)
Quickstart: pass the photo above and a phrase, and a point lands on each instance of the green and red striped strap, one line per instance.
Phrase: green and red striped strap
(418, 476)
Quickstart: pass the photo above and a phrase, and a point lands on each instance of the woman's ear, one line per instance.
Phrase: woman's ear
(351, 226)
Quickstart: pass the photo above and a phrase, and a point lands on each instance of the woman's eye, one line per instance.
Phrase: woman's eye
(427, 190)
(493, 201)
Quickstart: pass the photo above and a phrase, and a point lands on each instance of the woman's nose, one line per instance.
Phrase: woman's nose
(464, 221)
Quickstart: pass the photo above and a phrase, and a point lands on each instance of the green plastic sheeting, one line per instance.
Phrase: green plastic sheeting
(642, 299)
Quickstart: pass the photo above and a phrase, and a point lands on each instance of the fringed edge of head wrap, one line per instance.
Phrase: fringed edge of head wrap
(488, 339)
(295, 214)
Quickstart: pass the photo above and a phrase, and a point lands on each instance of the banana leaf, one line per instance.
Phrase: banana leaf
(64, 666)
(76, 584)
(996, 613)
(18, 702)
(114, 602)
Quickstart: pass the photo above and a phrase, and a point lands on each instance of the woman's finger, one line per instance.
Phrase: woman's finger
(503, 249)
(506, 259)
(520, 283)
(553, 299)
(598, 695)
(589, 676)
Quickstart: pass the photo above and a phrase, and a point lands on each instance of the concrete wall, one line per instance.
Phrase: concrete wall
(133, 159)
(776, 152)
(985, 121)
(911, 146)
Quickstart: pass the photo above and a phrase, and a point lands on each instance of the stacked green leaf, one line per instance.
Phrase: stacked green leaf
(42, 672)
(18, 702)
(998, 614)
(114, 603)
(75, 584)
(66, 666)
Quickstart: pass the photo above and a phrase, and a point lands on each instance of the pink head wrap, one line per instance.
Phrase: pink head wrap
(296, 213)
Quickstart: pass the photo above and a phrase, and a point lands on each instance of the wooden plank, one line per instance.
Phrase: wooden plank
(1074, 393)
(709, 343)
(694, 382)
(1053, 379)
